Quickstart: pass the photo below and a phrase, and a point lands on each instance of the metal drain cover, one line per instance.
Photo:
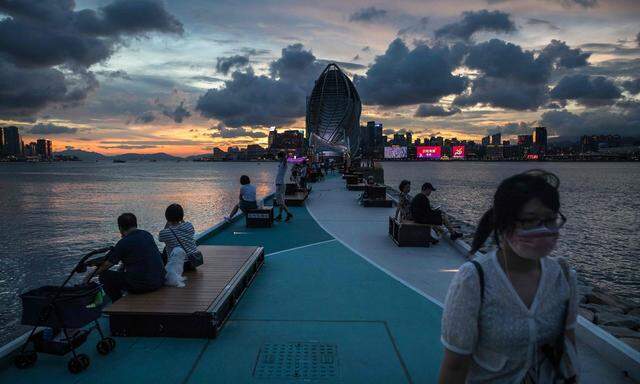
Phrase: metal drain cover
(297, 360)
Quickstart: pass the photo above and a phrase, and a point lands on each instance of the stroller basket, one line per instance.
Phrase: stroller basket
(73, 308)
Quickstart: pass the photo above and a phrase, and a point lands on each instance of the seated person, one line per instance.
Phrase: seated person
(247, 198)
(403, 212)
(142, 263)
(422, 213)
(178, 237)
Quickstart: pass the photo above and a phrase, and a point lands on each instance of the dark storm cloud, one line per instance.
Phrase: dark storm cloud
(296, 65)
(367, 15)
(632, 86)
(594, 121)
(208, 79)
(546, 23)
(231, 133)
(514, 78)
(344, 65)
(616, 49)
(477, 21)
(519, 128)
(253, 100)
(559, 52)
(46, 47)
(564, 3)
(119, 74)
(146, 117)
(428, 110)
(177, 114)
(404, 77)
(225, 64)
(51, 129)
(507, 93)
(586, 90)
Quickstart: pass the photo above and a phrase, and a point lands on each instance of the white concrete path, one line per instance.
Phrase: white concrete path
(428, 271)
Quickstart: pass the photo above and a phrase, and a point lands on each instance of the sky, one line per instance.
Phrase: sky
(185, 76)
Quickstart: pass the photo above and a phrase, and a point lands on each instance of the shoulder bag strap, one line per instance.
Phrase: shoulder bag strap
(177, 238)
(481, 277)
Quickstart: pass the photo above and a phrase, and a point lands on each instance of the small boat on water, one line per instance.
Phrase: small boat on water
(119, 161)
(325, 298)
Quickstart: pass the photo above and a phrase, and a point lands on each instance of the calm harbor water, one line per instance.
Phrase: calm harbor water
(52, 213)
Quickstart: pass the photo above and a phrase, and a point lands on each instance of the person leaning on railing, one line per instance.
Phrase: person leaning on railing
(509, 315)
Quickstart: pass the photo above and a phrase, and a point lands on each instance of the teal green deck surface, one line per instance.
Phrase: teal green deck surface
(384, 331)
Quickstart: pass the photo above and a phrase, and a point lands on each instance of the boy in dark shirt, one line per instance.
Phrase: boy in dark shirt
(422, 213)
(137, 250)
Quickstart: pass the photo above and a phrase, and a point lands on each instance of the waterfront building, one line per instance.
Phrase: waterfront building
(218, 154)
(409, 137)
(399, 139)
(333, 113)
(486, 141)
(496, 139)
(12, 143)
(254, 151)
(371, 141)
(43, 149)
(290, 140)
(1, 141)
(494, 152)
(540, 139)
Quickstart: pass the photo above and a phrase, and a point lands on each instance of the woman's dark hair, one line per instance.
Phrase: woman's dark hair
(174, 213)
(403, 184)
(244, 180)
(512, 194)
(127, 221)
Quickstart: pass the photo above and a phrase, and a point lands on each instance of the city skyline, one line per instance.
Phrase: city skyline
(196, 76)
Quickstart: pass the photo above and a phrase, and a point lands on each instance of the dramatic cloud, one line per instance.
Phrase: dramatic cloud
(224, 64)
(472, 22)
(548, 24)
(253, 100)
(178, 114)
(520, 128)
(586, 90)
(296, 65)
(367, 15)
(560, 53)
(582, 3)
(231, 133)
(418, 28)
(597, 121)
(514, 78)
(51, 129)
(404, 77)
(428, 110)
(48, 47)
(632, 86)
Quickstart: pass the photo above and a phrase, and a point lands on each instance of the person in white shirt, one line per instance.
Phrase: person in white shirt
(179, 238)
(247, 198)
(280, 187)
(510, 314)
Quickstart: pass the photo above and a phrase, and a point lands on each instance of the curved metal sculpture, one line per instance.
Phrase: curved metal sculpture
(333, 113)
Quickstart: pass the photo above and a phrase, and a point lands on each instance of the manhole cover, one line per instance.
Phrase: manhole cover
(297, 360)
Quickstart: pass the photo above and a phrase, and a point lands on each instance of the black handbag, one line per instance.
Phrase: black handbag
(194, 260)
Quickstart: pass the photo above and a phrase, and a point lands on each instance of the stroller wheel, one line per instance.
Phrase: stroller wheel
(112, 342)
(75, 366)
(84, 360)
(103, 347)
(25, 360)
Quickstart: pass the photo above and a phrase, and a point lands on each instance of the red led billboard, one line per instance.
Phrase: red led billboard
(428, 152)
(457, 151)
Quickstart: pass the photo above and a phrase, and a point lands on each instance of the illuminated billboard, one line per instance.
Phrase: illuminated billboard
(458, 151)
(428, 152)
(395, 152)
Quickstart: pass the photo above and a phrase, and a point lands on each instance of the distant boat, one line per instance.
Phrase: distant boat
(119, 161)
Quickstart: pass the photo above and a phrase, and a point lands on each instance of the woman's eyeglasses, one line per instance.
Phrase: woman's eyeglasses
(551, 223)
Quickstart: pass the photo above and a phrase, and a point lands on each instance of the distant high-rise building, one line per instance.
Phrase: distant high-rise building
(399, 139)
(525, 140)
(486, 141)
(254, 151)
(409, 137)
(496, 139)
(1, 141)
(12, 143)
(49, 150)
(540, 139)
(371, 139)
(41, 148)
(272, 137)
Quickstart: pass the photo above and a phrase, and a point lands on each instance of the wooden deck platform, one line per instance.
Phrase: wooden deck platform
(297, 199)
(198, 310)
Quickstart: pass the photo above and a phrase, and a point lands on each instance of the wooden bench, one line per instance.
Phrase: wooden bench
(198, 310)
(297, 199)
(376, 196)
(356, 187)
(259, 218)
(353, 179)
(408, 233)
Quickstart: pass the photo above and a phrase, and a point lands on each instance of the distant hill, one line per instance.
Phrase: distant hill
(83, 155)
(146, 157)
(195, 157)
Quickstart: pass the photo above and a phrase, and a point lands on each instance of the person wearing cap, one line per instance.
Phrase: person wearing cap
(421, 212)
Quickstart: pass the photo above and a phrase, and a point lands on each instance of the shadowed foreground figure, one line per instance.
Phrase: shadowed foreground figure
(510, 314)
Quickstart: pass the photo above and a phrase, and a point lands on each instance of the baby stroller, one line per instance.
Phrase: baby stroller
(60, 309)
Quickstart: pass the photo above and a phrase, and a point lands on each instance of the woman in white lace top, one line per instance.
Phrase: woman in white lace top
(508, 311)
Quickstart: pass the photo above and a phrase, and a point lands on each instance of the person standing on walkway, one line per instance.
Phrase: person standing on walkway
(510, 315)
(280, 187)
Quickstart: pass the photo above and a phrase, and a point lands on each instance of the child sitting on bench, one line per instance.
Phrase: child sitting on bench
(247, 198)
